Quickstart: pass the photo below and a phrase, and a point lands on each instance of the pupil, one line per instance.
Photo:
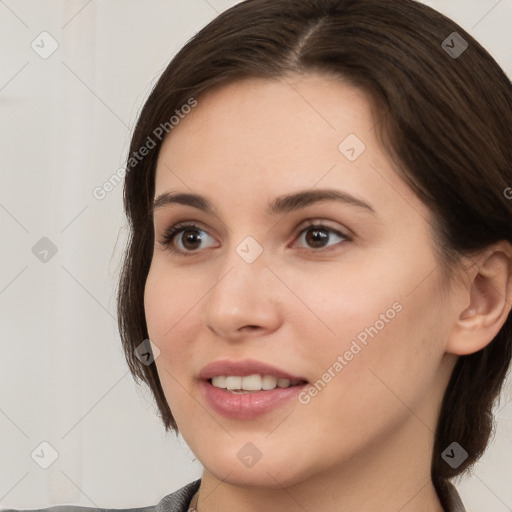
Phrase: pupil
(318, 237)
(191, 237)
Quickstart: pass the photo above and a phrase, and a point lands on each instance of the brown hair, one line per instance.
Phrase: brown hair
(445, 118)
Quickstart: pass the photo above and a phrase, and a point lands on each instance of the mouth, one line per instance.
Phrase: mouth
(246, 389)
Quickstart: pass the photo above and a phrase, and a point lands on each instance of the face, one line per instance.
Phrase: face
(341, 290)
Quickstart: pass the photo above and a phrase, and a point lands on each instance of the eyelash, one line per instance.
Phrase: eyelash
(171, 233)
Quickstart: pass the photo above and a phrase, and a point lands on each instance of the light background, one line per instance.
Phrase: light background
(64, 129)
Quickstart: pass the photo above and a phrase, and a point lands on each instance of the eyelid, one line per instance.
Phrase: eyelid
(170, 233)
(345, 232)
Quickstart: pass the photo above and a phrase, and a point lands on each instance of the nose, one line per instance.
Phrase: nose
(244, 301)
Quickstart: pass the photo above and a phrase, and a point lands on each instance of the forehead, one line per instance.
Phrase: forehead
(258, 121)
(295, 132)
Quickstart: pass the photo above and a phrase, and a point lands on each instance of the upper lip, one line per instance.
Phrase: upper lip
(244, 368)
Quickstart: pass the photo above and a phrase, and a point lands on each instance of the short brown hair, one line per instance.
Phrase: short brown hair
(446, 118)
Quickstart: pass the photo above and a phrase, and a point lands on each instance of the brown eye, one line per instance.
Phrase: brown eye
(319, 236)
(184, 238)
(316, 237)
(191, 239)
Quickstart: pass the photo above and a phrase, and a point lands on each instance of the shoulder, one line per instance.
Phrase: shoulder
(178, 501)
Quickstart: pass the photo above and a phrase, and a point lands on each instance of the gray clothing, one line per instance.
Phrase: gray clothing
(179, 501)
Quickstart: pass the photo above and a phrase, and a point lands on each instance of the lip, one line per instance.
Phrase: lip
(244, 368)
(246, 405)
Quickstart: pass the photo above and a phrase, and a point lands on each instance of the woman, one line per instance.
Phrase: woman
(321, 255)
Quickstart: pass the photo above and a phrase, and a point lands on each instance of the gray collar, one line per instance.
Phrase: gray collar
(179, 500)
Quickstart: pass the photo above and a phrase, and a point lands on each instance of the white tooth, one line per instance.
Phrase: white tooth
(268, 382)
(251, 382)
(233, 382)
(283, 383)
(219, 382)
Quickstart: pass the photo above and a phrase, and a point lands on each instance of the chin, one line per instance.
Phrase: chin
(250, 468)
(257, 477)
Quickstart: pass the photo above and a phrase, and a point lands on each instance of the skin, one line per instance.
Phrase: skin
(365, 441)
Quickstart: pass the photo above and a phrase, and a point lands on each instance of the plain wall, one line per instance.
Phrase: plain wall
(65, 123)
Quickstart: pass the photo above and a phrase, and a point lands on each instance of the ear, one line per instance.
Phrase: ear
(489, 293)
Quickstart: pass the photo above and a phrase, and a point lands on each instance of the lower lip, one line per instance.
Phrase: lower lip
(247, 405)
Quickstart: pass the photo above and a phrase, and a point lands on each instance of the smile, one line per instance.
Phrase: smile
(246, 389)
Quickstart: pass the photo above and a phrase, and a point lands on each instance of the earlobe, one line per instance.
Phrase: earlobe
(490, 301)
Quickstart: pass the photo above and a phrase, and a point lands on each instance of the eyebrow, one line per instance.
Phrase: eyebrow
(280, 205)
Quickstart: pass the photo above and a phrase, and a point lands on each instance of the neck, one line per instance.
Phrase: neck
(384, 478)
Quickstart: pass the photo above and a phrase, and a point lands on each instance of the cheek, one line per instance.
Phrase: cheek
(169, 307)
(396, 374)
(383, 329)
(172, 326)
(164, 299)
